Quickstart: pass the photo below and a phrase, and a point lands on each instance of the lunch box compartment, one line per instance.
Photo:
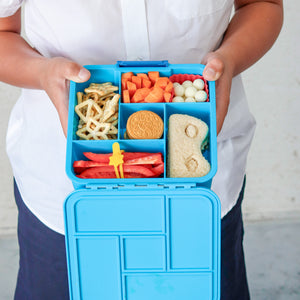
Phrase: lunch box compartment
(98, 75)
(126, 110)
(103, 147)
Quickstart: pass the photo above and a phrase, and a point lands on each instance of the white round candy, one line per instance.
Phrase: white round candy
(190, 99)
(178, 99)
(190, 91)
(201, 96)
(176, 84)
(179, 90)
(198, 84)
(187, 83)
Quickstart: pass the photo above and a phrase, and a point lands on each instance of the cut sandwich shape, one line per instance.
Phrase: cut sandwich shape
(185, 137)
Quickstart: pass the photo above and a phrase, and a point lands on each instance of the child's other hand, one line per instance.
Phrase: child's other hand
(56, 75)
(218, 69)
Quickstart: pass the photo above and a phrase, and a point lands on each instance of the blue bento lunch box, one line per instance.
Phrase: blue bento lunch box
(142, 238)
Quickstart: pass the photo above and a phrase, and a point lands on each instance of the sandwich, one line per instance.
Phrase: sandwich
(186, 134)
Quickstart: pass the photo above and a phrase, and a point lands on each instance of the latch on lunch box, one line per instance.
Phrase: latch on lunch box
(147, 64)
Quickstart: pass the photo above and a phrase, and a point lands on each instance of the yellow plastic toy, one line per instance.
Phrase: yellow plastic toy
(117, 160)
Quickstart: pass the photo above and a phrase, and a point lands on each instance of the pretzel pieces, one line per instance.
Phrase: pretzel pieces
(94, 130)
(88, 109)
(110, 107)
(97, 109)
(101, 89)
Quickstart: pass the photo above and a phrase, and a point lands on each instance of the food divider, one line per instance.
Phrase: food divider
(142, 238)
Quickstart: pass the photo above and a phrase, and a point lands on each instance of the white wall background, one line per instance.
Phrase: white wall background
(273, 177)
(272, 86)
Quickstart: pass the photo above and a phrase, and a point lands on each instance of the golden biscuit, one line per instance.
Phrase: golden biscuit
(144, 124)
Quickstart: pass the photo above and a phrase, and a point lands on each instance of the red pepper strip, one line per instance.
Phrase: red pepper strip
(129, 157)
(151, 159)
(133, 175)
(99, 172)
(79, 170)
(80, 165)
(139, 170)
(90, 163)
(108, 175)
(87, 164)
(158, 170)
(91, 173)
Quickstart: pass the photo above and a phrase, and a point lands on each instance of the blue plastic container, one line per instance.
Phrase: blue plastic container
(142, 239)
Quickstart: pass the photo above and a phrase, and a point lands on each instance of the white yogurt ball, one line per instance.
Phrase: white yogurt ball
(198, 84)
(187, 83)
(178, 99)
(179, 90)
(190, 99)
(190, 91)
(201, 96)
(176, 84)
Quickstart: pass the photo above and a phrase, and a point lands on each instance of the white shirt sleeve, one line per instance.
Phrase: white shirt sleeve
(9, 7)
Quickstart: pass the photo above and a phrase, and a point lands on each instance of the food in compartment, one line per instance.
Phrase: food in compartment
(136, 165)
(189, 88)
(186, 135)
(144, 124)
(97, 109)
(148, 88)
(190, 91)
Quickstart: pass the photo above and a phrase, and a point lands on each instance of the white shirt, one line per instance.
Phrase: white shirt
(102, 32)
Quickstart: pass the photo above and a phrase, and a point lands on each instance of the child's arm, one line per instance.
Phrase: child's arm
(23, 66)
(251, 33)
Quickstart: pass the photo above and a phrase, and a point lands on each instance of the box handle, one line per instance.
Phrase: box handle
(151, 63)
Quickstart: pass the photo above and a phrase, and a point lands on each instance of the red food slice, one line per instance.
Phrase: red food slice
(129, 157)
(81, 165)
(158, 170)
(104, 171)
(94, 173)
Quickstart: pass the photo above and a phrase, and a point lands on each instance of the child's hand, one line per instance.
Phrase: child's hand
(55, 77)
(218, 69)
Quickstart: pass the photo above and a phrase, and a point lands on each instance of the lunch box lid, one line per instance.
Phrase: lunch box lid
(143, 242)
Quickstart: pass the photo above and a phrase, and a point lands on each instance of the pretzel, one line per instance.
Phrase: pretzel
(87, 109)
(79, 97)
(110, 108)
(113, 118)
(112, 130)
(94, 130)
(97, 109)
(101, 89)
